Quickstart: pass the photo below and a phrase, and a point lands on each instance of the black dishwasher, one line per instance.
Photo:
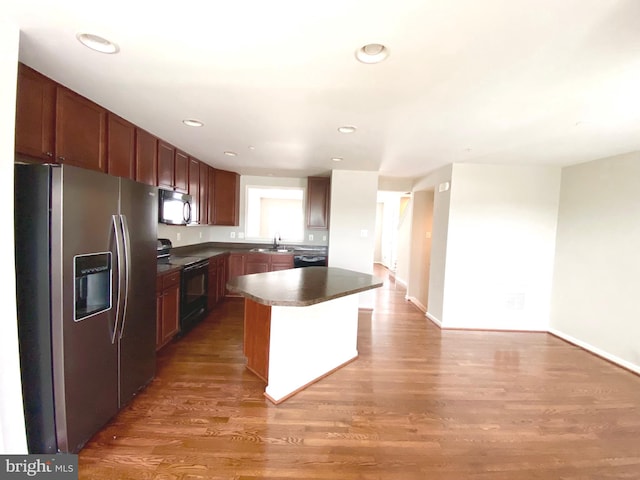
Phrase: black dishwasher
(309, 261)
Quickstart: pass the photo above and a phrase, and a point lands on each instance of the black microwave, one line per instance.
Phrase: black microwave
(174, 208)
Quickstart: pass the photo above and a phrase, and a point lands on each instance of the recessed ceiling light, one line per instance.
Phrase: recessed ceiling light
(190, 122)
(230, 153)
(336, 159)
(372, 53)
(251, 147)
(99, 44)
(347, 129)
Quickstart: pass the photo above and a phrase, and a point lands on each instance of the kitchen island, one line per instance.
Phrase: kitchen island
(300, 324)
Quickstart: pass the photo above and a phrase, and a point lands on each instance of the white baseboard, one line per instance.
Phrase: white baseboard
(596, 351)
(401, 282)
(433, 319)
(416, 302)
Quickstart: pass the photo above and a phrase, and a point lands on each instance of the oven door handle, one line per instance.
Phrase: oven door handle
(196, 266)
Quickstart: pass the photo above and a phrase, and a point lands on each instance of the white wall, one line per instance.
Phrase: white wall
(388, 223)
(420, 248)
(500, 247)
(12, 431)
(597, 269)
(353, 212)
(195, 234)
(438, 238)
(377, 252)
(403, 244)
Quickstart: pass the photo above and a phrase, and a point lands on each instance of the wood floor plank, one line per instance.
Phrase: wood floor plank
(418, 403)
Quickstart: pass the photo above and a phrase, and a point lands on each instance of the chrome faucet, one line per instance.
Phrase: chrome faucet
(276, 240)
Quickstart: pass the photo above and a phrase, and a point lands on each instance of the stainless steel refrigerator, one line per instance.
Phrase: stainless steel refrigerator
(85, 275)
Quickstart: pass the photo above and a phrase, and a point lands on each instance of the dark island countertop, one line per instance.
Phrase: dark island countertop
(300, 287)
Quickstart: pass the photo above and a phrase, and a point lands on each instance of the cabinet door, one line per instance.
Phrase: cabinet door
(170, 313)
(194, 189)
(222, 270)
(146, 158)
(318, 202)
(281, 262)
(212, 188)
(236, 265)
(212, 293)
(158, 320)
(121, 147)
(257, 263)
(203, 203)
(226, 198)
(181, 175)
(35, 114)
(81, 128)
(166, 160)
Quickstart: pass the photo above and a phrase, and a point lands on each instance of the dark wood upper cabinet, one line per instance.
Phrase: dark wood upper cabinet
(121, 147)
(35, 114)
(203, 203)
(181, 175)
(194, 189)
(81, 128)
(57, 125)
(146, 157)
(226, 193)
(318, 189)
(166, 161)
(211, 211)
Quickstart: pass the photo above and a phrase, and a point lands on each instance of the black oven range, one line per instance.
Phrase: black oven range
(193, 284)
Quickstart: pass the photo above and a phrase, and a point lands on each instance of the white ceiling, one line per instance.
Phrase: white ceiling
(494, 81)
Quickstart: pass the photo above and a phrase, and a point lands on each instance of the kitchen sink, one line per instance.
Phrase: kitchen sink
(273, 250)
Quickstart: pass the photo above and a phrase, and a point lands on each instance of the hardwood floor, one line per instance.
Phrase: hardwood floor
(419, 403)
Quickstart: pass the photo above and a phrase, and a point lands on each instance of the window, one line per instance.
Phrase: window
(275, 211)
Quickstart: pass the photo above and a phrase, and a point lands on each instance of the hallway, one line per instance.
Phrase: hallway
(418, 403)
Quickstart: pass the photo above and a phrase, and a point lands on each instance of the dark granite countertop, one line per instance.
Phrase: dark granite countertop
(167, 267)
(212, 249)
(301, 287)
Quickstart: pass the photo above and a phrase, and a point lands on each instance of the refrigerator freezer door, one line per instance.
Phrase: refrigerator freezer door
(32, 197)
(139, 216)
(85, 360)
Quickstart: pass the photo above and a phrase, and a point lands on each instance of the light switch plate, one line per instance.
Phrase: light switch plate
(311, 237)
(232, 235)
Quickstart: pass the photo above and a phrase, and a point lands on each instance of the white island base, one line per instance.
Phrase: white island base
(304, 343)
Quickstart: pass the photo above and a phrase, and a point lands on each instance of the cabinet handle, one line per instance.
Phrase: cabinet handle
(61, 159)
(49, 154)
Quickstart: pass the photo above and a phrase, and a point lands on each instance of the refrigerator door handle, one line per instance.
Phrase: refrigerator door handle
(127, 269)
(115, 221)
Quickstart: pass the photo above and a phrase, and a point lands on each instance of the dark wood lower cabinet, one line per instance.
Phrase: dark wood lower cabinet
(255, 262)
(168, 307)
(218, 268)
(281, 262)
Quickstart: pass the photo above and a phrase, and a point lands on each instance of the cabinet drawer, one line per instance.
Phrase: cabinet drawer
(171, 279)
